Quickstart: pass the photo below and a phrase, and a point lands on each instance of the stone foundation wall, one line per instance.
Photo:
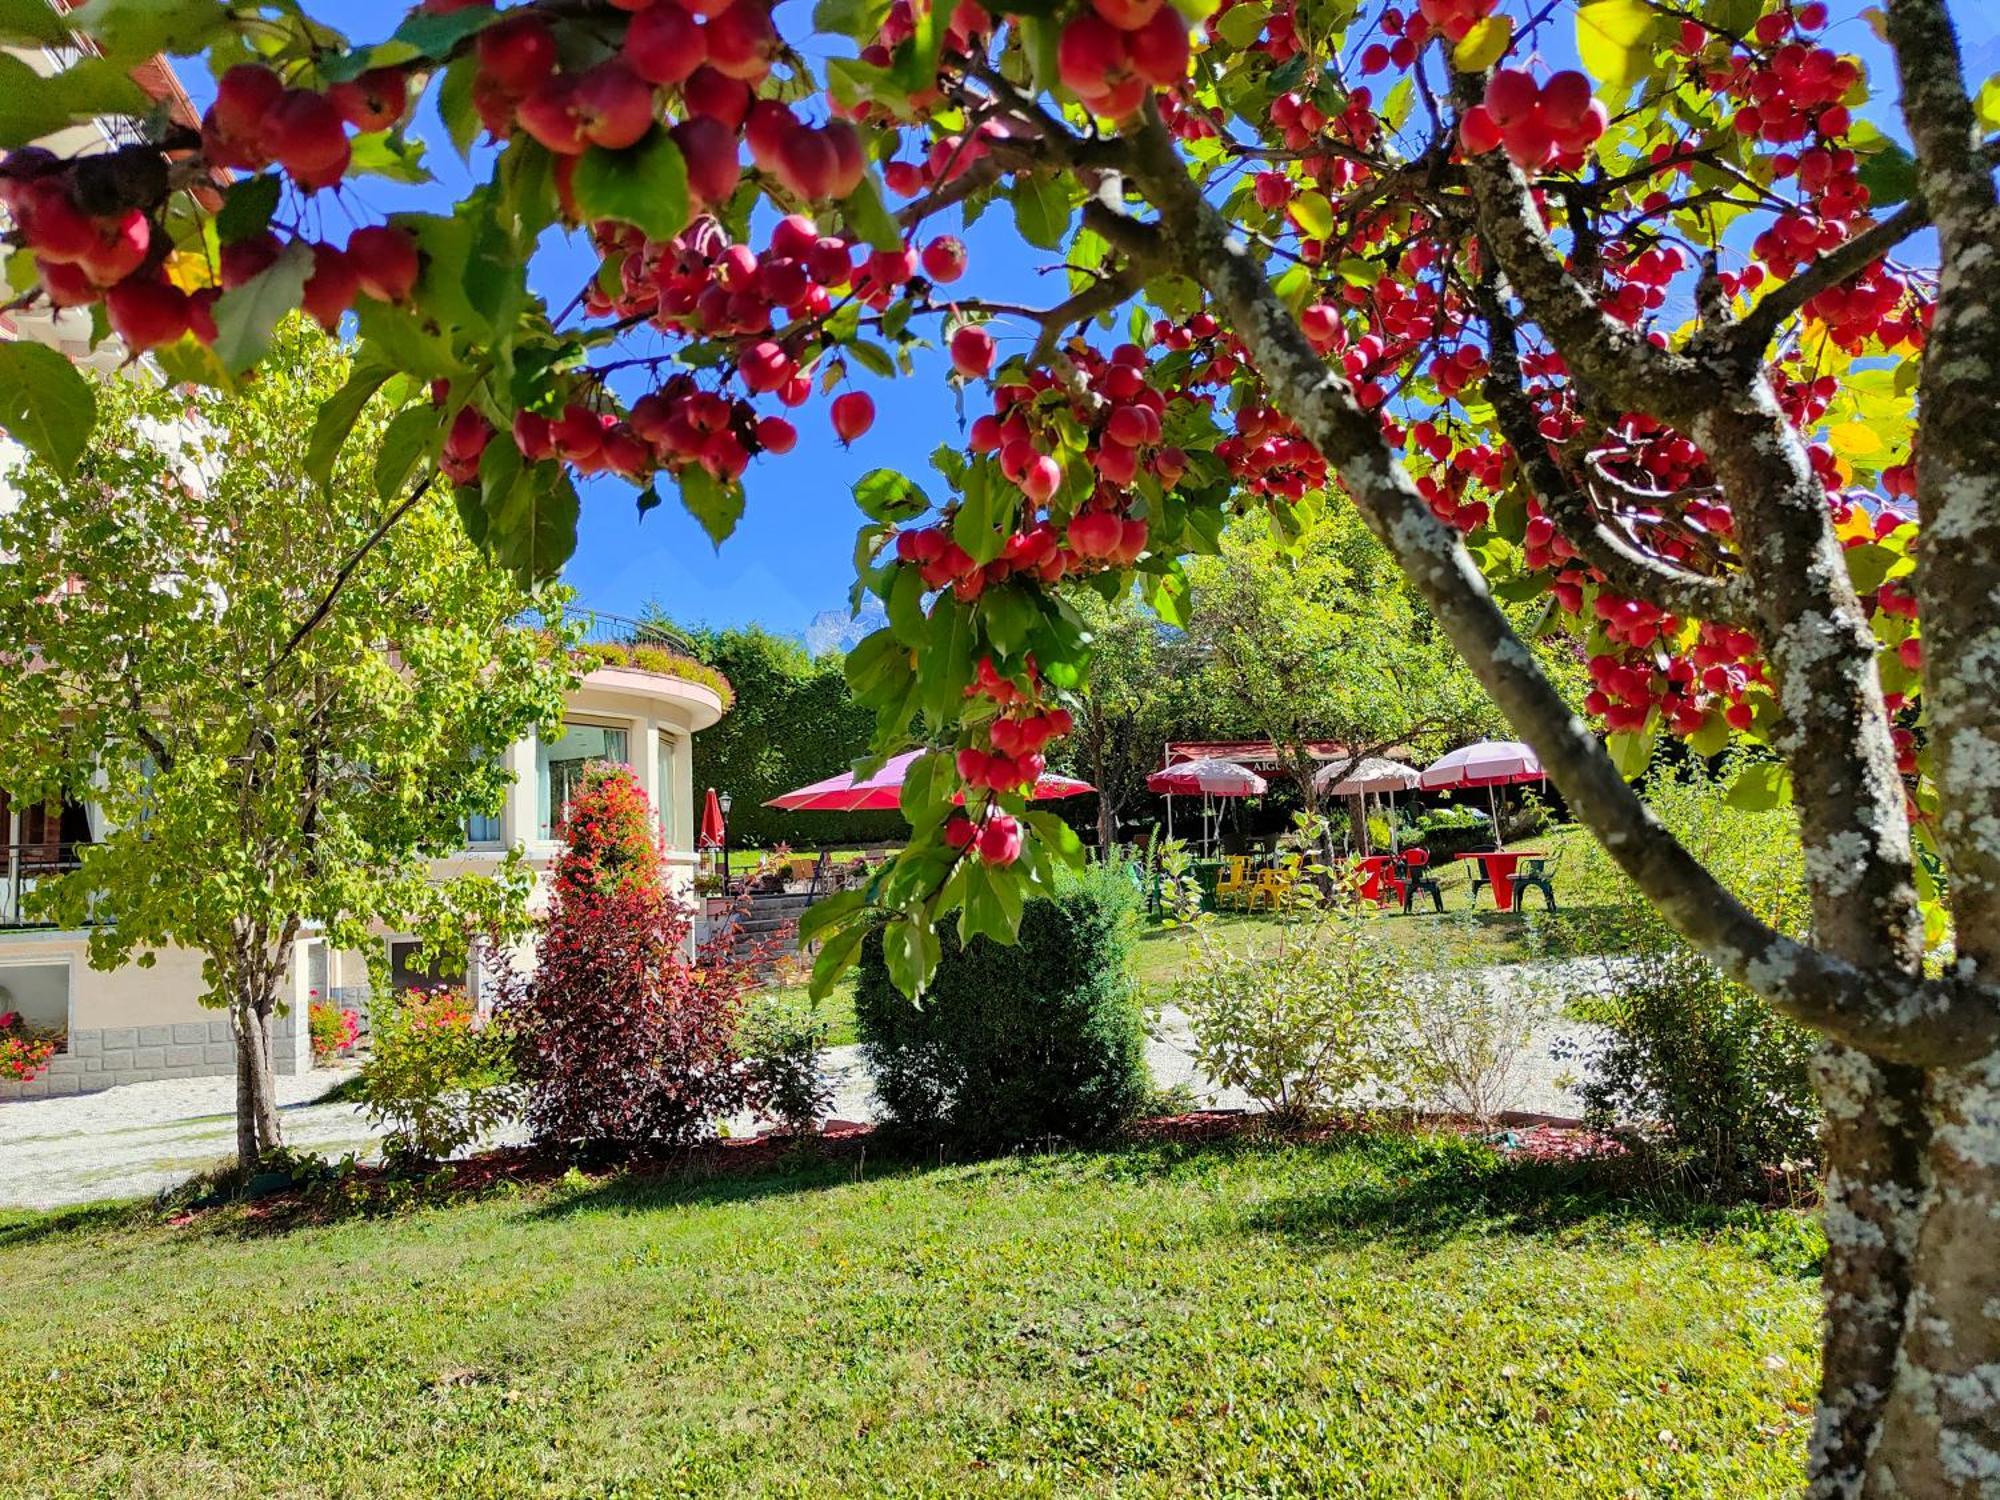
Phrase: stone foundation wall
(95, 1060)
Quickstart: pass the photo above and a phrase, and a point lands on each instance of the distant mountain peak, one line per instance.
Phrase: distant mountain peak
(837, 630)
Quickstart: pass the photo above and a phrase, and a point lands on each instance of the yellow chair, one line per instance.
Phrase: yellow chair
(1275, 887)
(1234, 886)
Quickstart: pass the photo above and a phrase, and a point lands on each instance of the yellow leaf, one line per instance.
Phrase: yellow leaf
(1857, 524)
(189, 270)
(1484, 45)
(1854, 440)
(1614, 39)
(1313, 214)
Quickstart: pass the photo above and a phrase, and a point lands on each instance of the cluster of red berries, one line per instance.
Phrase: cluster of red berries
(1538, 124)
(256, 120)
(1116, 52)
(1450, 19)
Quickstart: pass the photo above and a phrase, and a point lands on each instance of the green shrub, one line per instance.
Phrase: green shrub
(1302, 1027)
(1009, 1045)
(436, 1075)
(1722, 1079)
(783, 1044)
(1722, 1075)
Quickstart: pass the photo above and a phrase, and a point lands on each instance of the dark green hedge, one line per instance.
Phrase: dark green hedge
(793, 722)
(1012, 1045)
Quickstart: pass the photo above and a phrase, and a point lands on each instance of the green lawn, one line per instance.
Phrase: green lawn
(1375, 1316)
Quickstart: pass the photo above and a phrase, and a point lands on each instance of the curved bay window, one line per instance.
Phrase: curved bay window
(560, 764)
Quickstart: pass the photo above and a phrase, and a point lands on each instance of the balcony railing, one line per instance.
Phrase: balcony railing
(23, 867)
(601, 629)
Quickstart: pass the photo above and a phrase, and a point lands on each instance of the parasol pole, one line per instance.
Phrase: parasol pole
(1493, 805)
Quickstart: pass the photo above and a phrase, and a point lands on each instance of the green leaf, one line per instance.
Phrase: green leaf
(437, 34)
(1614, 38)
(716, 505)
(1041, 210)
(1059, 836)
(397, 339)
(645, 186)
(860, 20)
(910, 947)
(533, 533)
(877, 668)
(865, 214)
(390, 154)
(944, 666)
(247, 317)
(131, 31)
(985, 514)
(1243, 24)
(30, 22)
(837, 954)
(928, 784)
(247, 211)
(887, 495)
(45, 405)
(456, 106)
(992, 903)
(828, 911)
(1890, 175)
(1760, 787)
(872, 358)
(1713, 736)
(410, 438)
(1010, 615)
(33, 106)
(1632, 751)
(338, 415)
(1484, 45)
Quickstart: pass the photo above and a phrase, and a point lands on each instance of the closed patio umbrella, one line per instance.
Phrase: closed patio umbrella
(713, 830)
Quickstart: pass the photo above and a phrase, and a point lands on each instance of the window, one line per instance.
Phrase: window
(560, 764)
(664, 789)
(40, 993)
(482, 830)
(410, 968)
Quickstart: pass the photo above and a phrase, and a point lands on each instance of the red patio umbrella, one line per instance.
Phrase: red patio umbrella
(883, 792)
(712, 828)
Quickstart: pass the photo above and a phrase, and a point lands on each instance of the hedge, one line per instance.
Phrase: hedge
(1011, 1045)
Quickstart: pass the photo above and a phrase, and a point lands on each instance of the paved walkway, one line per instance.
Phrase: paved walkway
(137, 1140)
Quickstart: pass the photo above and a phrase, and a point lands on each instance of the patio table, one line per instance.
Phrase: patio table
(1501, 863)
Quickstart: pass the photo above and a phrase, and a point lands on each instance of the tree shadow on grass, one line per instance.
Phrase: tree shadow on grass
(702, 1181)
(20, 1227)
(1421, 1198)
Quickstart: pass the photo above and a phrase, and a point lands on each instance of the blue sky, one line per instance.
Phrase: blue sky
(789, 557)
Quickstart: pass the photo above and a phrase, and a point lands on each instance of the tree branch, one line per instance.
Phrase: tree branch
(324, 608)
(1884, 1010)
(1748, 337)
(1624, 566)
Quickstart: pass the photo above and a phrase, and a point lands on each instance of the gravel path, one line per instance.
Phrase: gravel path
(137, 1140)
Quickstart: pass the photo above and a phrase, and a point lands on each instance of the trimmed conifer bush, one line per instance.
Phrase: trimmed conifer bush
(1010, 1045)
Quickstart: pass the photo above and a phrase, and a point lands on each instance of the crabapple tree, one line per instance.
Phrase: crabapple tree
(1668, 315)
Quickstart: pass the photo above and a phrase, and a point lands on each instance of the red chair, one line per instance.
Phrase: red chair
(1414, 869)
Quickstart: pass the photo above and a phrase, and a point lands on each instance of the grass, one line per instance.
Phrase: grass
(1372, 1315)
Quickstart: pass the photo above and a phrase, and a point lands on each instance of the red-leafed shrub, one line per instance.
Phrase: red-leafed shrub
(621, 1039)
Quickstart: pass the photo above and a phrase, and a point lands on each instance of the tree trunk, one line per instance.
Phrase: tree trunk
(1910, 1378)
(257, 1130)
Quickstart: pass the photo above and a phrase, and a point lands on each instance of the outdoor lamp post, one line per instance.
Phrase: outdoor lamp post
(723, 802)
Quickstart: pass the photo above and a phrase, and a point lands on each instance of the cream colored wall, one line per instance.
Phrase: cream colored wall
(645, 705)
(167, 992)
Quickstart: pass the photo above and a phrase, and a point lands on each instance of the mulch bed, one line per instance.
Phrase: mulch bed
(369, 1187)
